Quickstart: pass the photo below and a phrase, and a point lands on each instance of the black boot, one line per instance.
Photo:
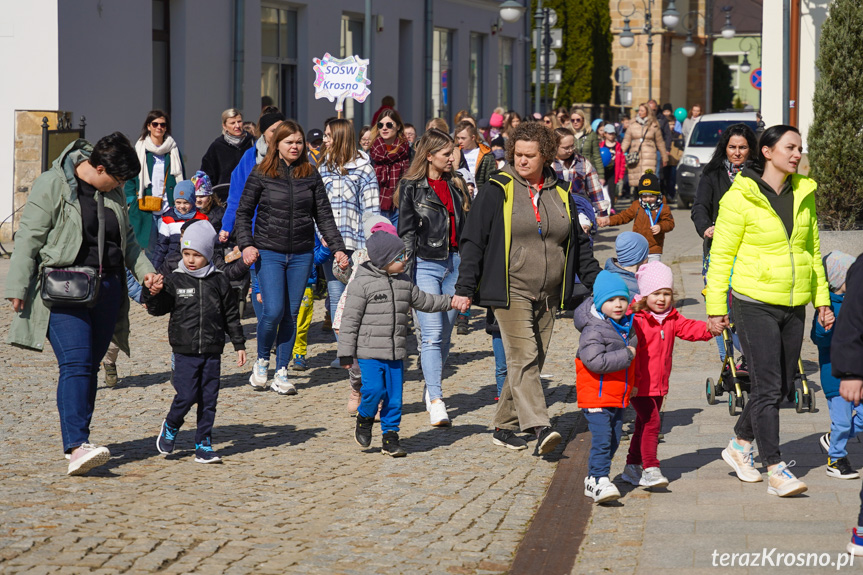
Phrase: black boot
(391, 445)
(462, 327)
(363, 434)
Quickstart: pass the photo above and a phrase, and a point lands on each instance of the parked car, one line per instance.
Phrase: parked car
(699, 149)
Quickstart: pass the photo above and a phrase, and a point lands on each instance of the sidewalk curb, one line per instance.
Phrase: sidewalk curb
(551, 543)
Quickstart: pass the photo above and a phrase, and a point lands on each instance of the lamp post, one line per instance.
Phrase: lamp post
(689, 48)
(511, 12)
(670, 18)
(745, 66)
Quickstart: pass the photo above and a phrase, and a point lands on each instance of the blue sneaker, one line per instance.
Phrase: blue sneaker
(300, 362)
(204, 452)
(167, 435)
(855, 546)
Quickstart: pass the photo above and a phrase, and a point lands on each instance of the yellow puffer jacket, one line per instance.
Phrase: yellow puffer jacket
(769, 266)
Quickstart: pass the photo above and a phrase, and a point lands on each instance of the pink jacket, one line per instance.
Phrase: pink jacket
(656, 346)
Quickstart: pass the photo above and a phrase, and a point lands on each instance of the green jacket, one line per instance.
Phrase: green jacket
(50, 234)
(588, 146)
(769, 266)
(142, 222)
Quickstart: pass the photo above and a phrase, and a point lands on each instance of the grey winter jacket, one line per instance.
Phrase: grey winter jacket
(375, 318)
(600, 348)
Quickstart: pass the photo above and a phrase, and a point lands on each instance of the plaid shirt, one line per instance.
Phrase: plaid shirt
(351, 196)
(585, 181)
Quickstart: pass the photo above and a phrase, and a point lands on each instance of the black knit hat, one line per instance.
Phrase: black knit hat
(649, 184)
(268, 120)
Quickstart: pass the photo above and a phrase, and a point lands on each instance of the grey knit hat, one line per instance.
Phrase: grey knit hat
(383, 248)
(201, 237)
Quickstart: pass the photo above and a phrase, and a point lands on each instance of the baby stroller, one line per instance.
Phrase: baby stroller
(734, 380)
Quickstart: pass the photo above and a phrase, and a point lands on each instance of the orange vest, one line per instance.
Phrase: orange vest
(603, 389)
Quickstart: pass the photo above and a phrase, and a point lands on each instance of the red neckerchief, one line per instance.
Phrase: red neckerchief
(535, 205)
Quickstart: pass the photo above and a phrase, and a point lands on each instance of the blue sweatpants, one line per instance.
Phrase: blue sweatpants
(846, 421)
(196, 381)
(606, 427)
(382, 380)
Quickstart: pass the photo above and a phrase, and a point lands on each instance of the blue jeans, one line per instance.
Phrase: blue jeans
(606, 427)
(720, 343)
(382, 380)
(436, 277)
(499, 360)
(80, 336)
(392, 215)
(846, 422)
(335, 288)
(282, 279)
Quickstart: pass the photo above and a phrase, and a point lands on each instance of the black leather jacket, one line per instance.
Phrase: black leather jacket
(424, 223)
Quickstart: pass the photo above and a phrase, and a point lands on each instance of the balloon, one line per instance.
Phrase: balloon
(680, 114)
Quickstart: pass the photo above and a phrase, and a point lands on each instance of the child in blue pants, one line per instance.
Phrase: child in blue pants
(846, 420)
(374, 330)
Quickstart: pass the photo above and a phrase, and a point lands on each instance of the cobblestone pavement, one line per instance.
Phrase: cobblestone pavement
(706, 508)
(295, 493)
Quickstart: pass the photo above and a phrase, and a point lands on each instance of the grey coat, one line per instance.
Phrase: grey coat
(600, 348)
(375, 318)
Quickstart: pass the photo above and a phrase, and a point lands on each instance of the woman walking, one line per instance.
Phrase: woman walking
(586, 140)
(643, 137)
(521, 251)
(767, 230)
(225, 152)
(76, 216)
(433, 207)
(290, 199)
(161, 169)
(391, 155)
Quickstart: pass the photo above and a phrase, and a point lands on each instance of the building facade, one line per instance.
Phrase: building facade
(114, 60)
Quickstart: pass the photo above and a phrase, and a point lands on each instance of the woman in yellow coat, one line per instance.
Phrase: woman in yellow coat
(768, 231)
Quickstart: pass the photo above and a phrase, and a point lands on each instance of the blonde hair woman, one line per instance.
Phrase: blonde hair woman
(225, 152)
(433, 207)
(586, 140)
(645, 137)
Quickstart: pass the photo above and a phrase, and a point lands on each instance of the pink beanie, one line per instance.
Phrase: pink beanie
(654, 276)
(496, 121)
(385, 227)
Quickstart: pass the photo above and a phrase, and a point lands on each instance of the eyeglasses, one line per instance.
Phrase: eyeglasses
(400, 258)
(159, 124)
(119, 183)
(388, 125)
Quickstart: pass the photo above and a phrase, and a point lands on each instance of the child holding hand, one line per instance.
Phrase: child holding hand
(604, 376)
(657, 324)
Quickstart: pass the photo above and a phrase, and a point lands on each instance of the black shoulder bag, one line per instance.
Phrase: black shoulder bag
(76, 286)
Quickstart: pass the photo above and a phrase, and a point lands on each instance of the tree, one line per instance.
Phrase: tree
(835, 153)
(723, 89)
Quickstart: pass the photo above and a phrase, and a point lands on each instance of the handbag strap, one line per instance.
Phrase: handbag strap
(100, 214)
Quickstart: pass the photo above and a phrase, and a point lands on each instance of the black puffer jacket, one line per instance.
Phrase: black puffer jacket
(424, 222)
(288, 209)
(221, 158)
(705, 207)
(202, 310)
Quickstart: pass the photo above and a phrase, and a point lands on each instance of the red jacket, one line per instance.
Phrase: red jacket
(603, 389)
(619, 160)
(656, 346)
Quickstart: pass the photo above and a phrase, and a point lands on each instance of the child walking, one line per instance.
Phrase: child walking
(604, 376)
(846, 419)
(203, 307)
(166, 254)
(652, 219)
(657, 324)
(374, 327)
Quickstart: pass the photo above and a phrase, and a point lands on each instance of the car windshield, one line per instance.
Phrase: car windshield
(707, 134)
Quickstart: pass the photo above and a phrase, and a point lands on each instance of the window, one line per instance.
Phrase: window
(351, 45)
(504, 75)
(475, 83)
(442, 74)
(161, 56)
(279, 58)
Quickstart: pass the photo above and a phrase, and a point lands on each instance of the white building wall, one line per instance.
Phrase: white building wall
(812, 17)
(772, 71)
(28, 65)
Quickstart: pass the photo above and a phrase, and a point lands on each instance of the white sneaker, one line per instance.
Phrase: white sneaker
(438, 414)
(281, 385)
(632, 473)
(782, 482)
(601, 490)
(258, 378)
(87, 456)
(653, 477)
(742, 462)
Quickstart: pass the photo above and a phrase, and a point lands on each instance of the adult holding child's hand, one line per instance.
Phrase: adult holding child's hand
(767, 229)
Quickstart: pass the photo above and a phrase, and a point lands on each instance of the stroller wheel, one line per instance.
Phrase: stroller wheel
(732, 403)
(744, 399)
(799, 399)
(811, 401)
(710, 391)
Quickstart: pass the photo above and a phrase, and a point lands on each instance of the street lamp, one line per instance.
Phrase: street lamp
(728, 30)
(745, 66)
(670, 18)
(689, 48)
(511, 11)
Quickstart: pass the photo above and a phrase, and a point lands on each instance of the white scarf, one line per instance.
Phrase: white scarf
(641, 120)
(169, 146)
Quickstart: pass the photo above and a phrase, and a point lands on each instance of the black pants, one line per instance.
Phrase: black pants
(771, 337)
(196, 379)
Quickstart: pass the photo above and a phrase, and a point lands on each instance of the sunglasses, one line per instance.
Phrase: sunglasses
(400, 258)
(159, 124)
(388, 125)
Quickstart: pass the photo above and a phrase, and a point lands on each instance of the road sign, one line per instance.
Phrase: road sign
(755, 78)
(552, 58)
(554, 76)
(623, 75)
(556, 39)
(552, 17)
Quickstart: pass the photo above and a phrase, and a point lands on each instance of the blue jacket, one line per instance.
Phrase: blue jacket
(627, 276)
(238, 183)
(322, 254)
(822, 338)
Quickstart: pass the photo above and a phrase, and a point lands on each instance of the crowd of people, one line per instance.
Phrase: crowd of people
(403, 231)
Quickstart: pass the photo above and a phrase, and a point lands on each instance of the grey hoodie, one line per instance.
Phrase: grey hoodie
(375, 318)
(600, 347)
